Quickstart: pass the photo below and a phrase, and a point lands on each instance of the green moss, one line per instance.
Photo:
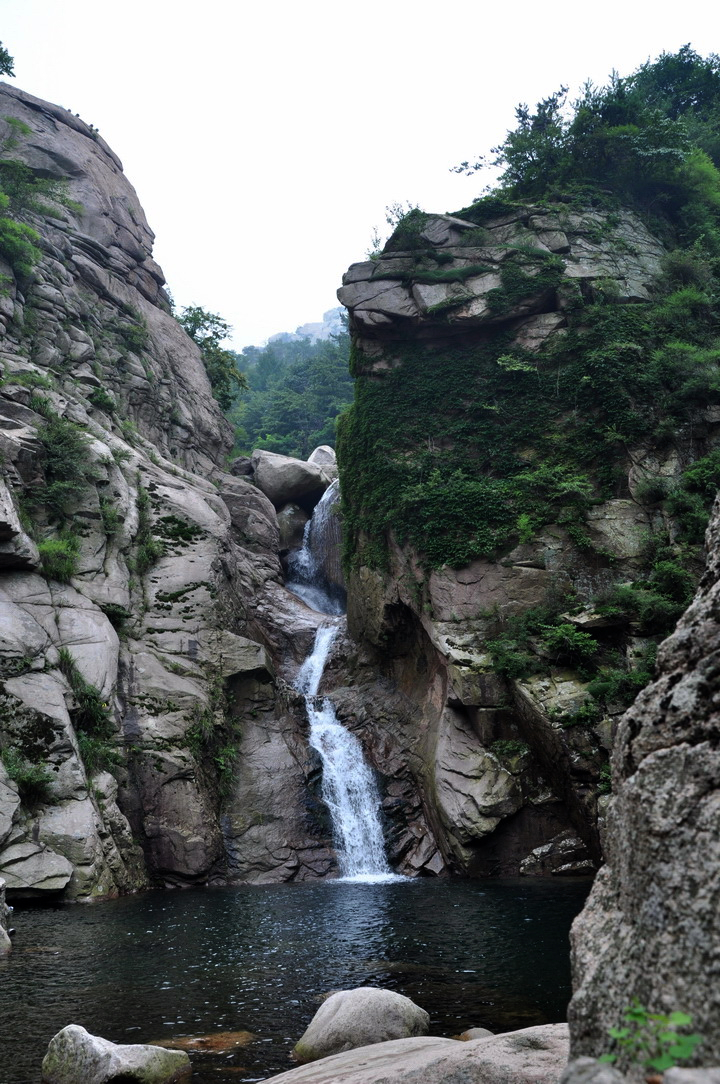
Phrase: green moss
(174, 529)
(34, 780)
(59, 557)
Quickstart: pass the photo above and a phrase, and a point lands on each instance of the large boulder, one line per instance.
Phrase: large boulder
(323, 456)
(283, 479)
(75, 1056)
(5, 944)
(531, 1056)
(590, 1071)
(252, 515)
(650, 926)
(361, 1017)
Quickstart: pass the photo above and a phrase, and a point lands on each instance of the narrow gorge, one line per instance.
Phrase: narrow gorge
(416, 662)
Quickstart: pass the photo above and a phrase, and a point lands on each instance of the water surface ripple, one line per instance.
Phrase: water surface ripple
(167, 964)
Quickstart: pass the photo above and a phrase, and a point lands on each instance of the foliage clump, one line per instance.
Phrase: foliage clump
(209, 330)
(652, 1040)
(149, 548)
(461, 451)
(34, 780)
(65, 460)
(296, 390)
(91, 718)
(24, 192)
(59, 557)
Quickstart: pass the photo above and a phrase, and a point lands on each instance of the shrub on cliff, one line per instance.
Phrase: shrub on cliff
(209, 330)
(650, 138)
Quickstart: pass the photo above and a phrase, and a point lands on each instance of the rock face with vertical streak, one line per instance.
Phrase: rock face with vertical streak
(650, 927)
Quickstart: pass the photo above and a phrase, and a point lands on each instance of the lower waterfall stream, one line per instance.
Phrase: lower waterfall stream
(348, 786)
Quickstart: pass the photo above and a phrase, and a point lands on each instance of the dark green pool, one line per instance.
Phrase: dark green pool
(489, 953)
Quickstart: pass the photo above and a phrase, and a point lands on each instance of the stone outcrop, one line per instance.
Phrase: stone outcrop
(390, 297)
(531, 1056)
(170, 613)
(361, 1017)
(506, 785)
(649, 929)
(75, 1055)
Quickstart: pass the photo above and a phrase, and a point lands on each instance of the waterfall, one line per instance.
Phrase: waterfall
(314, 573)
(348, 786)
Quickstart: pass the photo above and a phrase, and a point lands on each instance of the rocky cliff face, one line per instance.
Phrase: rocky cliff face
(498, 733)
(649, 930)
(144, 730)
(149, 731)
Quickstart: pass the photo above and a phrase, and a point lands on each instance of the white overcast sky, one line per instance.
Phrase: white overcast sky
(265, 139)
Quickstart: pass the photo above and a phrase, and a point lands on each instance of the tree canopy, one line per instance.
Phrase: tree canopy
(7, 63)
(209, 330)
(651, 139)
(297, 389)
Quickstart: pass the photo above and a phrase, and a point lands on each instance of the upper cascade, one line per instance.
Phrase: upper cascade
(314, 571)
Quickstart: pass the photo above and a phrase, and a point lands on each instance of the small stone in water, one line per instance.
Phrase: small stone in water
(210, 1044)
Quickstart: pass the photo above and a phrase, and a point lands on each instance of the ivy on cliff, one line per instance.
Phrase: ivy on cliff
(465, 450)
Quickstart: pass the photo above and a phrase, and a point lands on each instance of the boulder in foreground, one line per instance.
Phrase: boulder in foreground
(361, 1017)
(531, 1056)
(590, 1071)
(76, 1057)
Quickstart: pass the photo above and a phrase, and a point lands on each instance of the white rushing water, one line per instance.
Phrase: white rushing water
(305, 574)
(348, 786)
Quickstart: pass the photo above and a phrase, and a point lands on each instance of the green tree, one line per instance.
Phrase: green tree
(297, 389)
(651, 139)
(7, 64)
(209, 330)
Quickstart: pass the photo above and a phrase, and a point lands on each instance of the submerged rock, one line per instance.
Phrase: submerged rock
(217, 1042)
(76, 1057)
(361, 1017)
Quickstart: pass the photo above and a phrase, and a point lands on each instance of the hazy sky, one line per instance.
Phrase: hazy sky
(265, 139)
